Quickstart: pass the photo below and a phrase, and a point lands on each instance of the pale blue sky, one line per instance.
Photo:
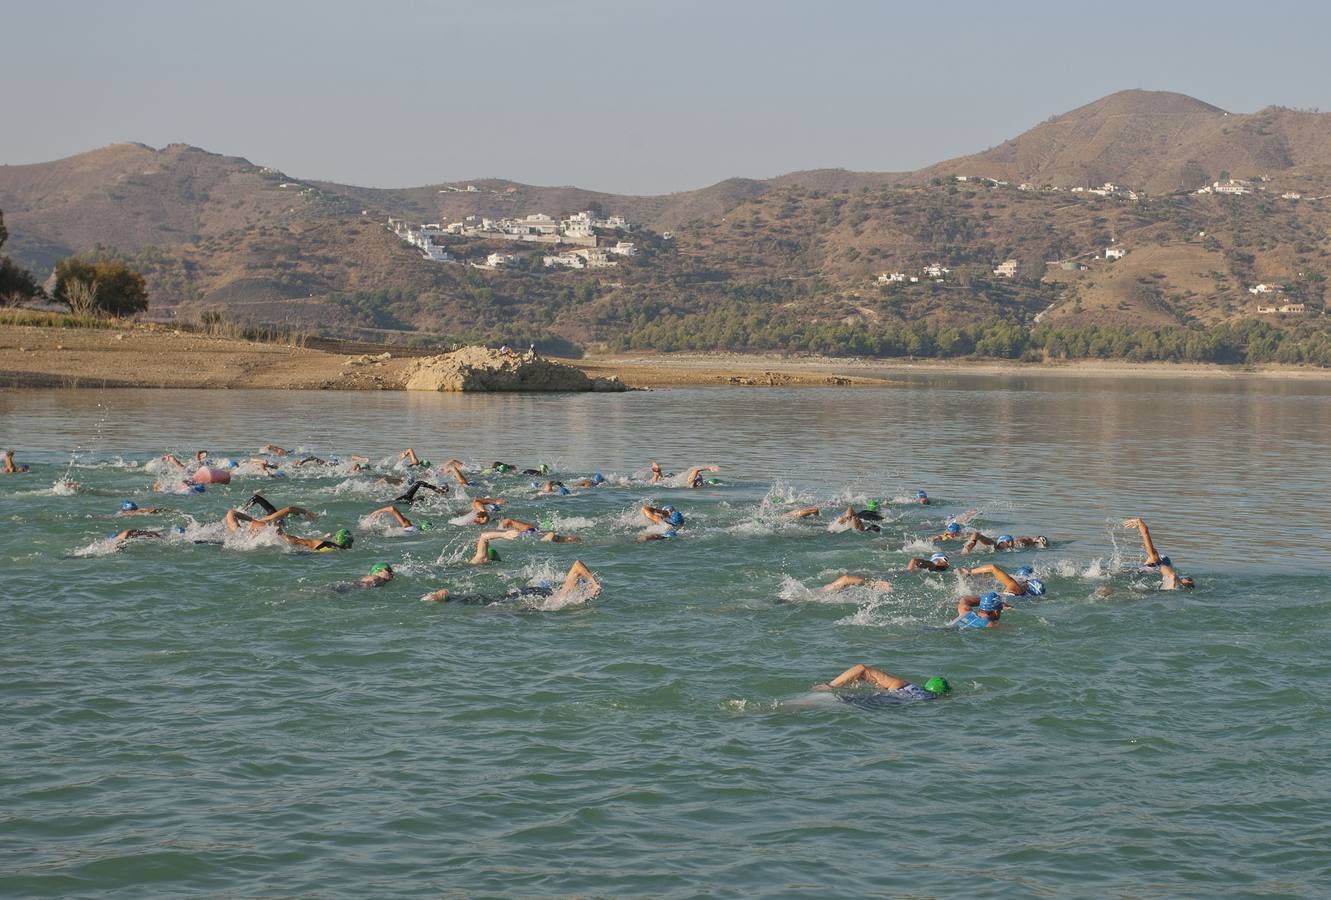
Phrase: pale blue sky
(618, 96)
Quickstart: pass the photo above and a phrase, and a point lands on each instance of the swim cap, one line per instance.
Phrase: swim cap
(536, 484)
(714, 481)
(196, 488)
(543, 468)
(1034, 587)
(953, 528)
(179, 529)
(128, 506)
(425, 463)
(669, 533)
(667, 508)
(937, 558)
(342, 537)
(426, 525)
(675, 518)
(492, 554)
(937, 685)
(920, 495)
(545, 584)
(1042, 540)
(1003, 539)
(1166, 561)
(380, 567)
(598, 478)
(990, 602)
(872, 506)
(1024, 571)
(563, 490)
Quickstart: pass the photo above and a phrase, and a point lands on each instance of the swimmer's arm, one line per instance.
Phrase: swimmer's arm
(1152, 556)
(439, 596)
(807, 512)
(410, 456)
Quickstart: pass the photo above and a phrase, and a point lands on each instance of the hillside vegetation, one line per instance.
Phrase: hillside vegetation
(790, 263)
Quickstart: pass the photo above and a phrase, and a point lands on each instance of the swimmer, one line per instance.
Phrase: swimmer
(311, 461)
(402, 520)
(529, 529)
(410, 456)
(200, 456)
(542, 469)
(693, 478)
(137, 533)
(173, 460)
(578, 574)
(1030, 587)
(950, 533)
(487, 554)
(595, 481)
(380, 574)
(274, 450)
(891, 685)
(235, 518)
(7, 466)
(338, 540)
(1169, 577)
(979, 612)
(664, 515)
(454, 468)
(130, 508)
(656, 472)
(808, 512)
(554, 487)
(856, 519)
(502, 467)
(1004, 542)
(177, 487)
(846, 581)
(649, 535)
(921, 498)
(935, 563)
(263, 465)
(409, 495)
(393, 480)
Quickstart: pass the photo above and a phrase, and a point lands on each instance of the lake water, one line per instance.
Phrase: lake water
(224, 717)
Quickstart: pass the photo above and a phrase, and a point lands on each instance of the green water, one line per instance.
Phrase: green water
(225, 718)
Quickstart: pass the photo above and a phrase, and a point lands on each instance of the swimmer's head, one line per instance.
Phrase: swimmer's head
(1003, 539)
(179, 529)
(669, 533)
(545, 584)
(598, 478)
(492, 554)
(1187, 582)
(128, 506)
(675, 517)
(937, 685)
(990, 602)
(564, 491)
(1042, 541)
(872, 506)
(342, 538)
(938, 559)
(1024, 571)
(1034, 587)
(921, 495)
(196, 488)
(381, 570)
(953, 528)
(426, 525)
(667, 508)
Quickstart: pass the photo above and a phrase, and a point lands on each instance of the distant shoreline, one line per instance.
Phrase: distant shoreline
(134, 357)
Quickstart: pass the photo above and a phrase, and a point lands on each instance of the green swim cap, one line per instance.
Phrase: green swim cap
(547, 524)
(492, 554)
(714, 481)
(544, 469)
(425, 463)
(426, 525)
(380, 567)
(937, 685)
(342, 537)
(872, 506)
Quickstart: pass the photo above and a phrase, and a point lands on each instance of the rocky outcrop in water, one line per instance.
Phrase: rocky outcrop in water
(483, 369)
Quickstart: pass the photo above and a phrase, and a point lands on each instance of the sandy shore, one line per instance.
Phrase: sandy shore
(159, 358)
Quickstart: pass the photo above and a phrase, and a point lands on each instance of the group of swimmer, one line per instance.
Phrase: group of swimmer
(983, 610)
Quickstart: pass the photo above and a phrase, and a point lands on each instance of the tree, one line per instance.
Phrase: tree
(16, 284)
(118, 290)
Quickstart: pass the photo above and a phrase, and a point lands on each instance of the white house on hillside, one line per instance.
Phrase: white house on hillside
(1115, 253)
(1007, 268)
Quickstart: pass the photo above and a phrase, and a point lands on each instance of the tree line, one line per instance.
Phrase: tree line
(93, 285)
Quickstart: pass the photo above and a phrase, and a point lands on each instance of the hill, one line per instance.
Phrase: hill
(791, 262)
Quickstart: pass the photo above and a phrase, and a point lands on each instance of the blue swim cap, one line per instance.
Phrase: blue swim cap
(128, 505)
(1024, 571)
(952, 528)
(1166, 561)
(545, 584)
(598, 478)
(563, 490)
(196, 488)
(668, 508)
(179, 529)
(675, 517)
(1034, 587)
(937, 557)
(669, 533)
(990, 602)
(1003, 539)
(536, 484)
(920, 495)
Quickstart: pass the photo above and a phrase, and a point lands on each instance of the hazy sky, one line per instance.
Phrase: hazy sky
(630, 97)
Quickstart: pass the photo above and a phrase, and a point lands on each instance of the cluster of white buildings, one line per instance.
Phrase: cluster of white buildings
(935, 271)
(591, 257)
(422, 238)
(1108, 189)
(579, 228)
(1231, 186)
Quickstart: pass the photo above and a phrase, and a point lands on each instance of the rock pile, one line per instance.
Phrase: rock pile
(482, 369)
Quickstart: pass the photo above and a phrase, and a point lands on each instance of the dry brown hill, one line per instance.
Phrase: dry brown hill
(1154, 141)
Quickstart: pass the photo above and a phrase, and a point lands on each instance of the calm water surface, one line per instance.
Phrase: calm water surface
(214, 715)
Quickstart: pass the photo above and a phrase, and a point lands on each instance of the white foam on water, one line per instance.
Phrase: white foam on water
(251, 539)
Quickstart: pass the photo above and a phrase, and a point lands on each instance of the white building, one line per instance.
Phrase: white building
(566, 260)
(1007, 268)
(596, 258)
(1291, 195)
(495, 260)
(623, 248)
(892, 278)
(1115, 253)
(936, 271)
(1232, 186)
(1262, 289)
